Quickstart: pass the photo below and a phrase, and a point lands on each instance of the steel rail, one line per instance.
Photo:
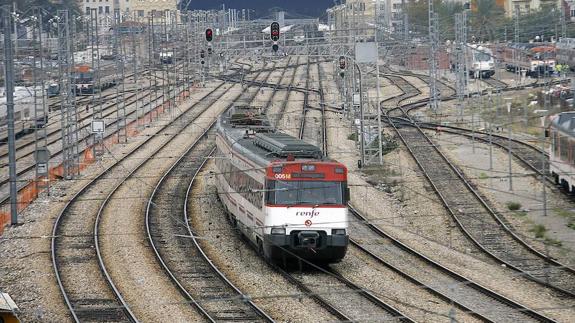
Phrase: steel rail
(460, 280)
(76, 197)
(179, 282)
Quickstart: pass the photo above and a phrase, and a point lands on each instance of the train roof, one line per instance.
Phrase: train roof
(248, 131)
(564, 121)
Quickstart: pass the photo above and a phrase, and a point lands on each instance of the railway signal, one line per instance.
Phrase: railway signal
(342, 66)
(202, 53)
(209, 34)
(275, 47)
(275, 31)
(209, 51)
(342, 62)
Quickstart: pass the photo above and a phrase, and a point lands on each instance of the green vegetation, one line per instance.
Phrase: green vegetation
(487, 22)
(568, 214)
(539, 230)
(513, 206)
(49, 6)
(352, 136)
(483, 176)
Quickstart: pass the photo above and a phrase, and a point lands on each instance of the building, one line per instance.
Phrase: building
(524, 6)
(134, 9)
(364, 14)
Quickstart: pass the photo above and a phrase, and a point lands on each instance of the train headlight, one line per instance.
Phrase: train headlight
(340, 232)
(279, 231)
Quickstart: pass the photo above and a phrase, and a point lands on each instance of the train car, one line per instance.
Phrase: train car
(8, 309)
(481, 61)
(88, 81)
(535, 59)
(562, 150)
(167, 56)
(287, 199)
(566, 52)
(24, 120)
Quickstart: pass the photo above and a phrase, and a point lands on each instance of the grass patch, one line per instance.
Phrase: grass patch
(513, 206)
(564, 213)
(483, 176)
(520, 213)
(568, 214)
(352, 136)
(553, 242)
(539, 230)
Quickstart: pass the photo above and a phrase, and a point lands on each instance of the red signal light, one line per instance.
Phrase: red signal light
(342, 62)
(209, 34)
(275, 31)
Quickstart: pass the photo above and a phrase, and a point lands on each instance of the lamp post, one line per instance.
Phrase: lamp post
(509, 142)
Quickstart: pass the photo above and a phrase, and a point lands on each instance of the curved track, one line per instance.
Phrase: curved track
(87, 289)
(471, 297)
(473, 214)
(179, 252)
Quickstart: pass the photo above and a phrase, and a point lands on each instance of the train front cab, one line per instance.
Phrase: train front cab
(562, 151)
(8, 309)
(306, 212)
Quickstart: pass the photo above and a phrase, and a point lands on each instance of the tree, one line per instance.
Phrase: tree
(486, 21)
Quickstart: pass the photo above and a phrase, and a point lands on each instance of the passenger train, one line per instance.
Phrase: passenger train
(86, 78)
(287, 199)
(535, 59)
(562, 150)
(480, 61)
(24, 104)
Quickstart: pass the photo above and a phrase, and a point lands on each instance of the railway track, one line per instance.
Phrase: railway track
(180, 253)
(479, 301)
(25, 172)
(327, 287)
(341, 297)
(488, 230)
(495, 83)
(86, 287)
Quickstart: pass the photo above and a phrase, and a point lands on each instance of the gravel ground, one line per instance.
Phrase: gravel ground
(127, 255)
(241, 264)
(527, 191)
(392, 288)
(26, 266)
(385, 208)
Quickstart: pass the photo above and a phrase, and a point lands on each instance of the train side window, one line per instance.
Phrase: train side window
(564, 149)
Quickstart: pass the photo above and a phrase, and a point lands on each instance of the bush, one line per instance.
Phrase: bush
(513, 206)
(539, 230)
(352, 136)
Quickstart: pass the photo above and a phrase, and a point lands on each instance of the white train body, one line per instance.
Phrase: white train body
(286, 199)
(24, 120)
(481, 61)
(562, 150)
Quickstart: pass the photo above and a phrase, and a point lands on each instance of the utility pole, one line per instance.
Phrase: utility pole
(516, 50)
(460, 63)
(433, 50)
(562, 22)
(68, 99)
(9, 80)
(509, 149)
(120, 88)
(40, 113)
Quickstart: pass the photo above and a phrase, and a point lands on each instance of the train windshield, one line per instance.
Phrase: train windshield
(305, 192)
(481, 57)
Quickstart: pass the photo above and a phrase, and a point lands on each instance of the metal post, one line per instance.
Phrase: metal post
(433, 50)
(543, 167)
(509, 146)
(9, 80)
(68, 99)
